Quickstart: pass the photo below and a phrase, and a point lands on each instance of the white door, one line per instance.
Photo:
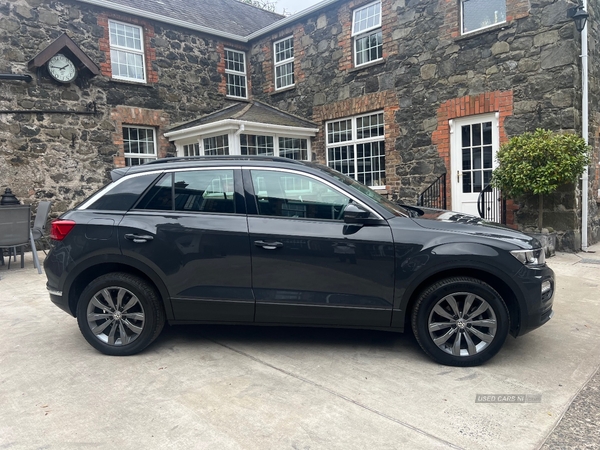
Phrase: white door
(474, 143)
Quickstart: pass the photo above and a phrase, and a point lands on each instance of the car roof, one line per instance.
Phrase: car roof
(202, 161)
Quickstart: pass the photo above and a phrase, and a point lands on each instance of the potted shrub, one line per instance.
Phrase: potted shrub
(539, 163)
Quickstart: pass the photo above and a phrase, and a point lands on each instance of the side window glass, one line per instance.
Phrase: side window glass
(195, 190)
(159, 196)
(124, 195)
(205, 191)
(285, 194)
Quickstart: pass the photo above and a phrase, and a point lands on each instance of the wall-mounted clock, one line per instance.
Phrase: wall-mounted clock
(62, 68)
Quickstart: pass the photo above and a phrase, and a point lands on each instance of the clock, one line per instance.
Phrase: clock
(62, 68)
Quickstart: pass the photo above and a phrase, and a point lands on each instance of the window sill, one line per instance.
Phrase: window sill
(499, 27)
(131, 83)
(367, 66)
(237, 99)
(281, 91)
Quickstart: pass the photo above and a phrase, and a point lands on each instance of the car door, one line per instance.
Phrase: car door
(190, 227)
(308, 266)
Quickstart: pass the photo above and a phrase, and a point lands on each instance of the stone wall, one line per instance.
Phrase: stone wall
(65, 157)
(427, 64)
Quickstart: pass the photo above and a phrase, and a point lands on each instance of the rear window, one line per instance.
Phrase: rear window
(122, 196)
(192, 191)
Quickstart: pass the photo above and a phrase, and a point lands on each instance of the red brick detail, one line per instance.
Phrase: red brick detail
(345, 40)
(386, 101)
(222, 88)
(104, 43)
(450, 9)
(489, 102)
(268, 51)
(126, 115)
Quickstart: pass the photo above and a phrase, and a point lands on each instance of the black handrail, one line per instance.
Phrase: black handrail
(435, 195)
(491, 205)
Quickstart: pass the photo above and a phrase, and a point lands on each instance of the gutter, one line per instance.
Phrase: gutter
(233, 37)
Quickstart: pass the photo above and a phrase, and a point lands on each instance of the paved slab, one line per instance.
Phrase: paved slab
(220, 387)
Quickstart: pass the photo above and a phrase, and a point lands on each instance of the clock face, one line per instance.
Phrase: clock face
(62, 68)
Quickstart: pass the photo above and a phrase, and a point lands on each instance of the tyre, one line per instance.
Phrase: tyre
(460, 321)
(120, 314)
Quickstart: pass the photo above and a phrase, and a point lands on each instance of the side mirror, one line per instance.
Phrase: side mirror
(355, 214)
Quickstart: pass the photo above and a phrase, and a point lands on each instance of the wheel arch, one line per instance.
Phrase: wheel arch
(506, 292)
(93, 269)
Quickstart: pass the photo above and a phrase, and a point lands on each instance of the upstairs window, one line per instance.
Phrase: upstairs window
(366, 31)
(284, 63)
(479, 14)
(139, 145)
(235, 72)
(127, 52)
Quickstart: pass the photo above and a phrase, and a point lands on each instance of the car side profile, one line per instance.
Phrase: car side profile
(272, 241)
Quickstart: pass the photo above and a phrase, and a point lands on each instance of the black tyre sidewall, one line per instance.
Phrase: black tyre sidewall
(437, 291)
(153, 316)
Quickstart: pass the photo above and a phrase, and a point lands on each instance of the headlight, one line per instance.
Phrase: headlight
(535, 257)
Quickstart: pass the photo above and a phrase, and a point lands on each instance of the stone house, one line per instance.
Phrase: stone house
(395, 93)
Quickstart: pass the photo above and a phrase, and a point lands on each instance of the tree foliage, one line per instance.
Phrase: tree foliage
(539, 162)
(262, 4)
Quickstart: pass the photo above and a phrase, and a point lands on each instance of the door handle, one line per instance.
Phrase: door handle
(268, 245)
(458, 176)
(138, 239)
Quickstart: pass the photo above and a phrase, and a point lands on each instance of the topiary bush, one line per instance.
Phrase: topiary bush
(538, 163)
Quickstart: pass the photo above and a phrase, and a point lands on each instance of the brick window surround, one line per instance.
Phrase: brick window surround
(268, 65)
(385, 101)
(346, 41)
(104, 43)
(129, 116)
(470, 105)
(222, 88)
(515, 9)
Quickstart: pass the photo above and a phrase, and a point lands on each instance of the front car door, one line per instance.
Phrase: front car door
(308, 266)
(191, 228)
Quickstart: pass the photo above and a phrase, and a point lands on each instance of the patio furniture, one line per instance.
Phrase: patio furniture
(41, 222)
(15, 231)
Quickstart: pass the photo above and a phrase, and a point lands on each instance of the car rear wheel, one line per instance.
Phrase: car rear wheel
(120, 314)
(460, 321)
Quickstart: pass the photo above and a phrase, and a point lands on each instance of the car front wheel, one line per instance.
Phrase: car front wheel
(460, 321)
(120, 314)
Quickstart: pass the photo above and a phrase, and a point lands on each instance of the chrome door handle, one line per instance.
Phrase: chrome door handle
(268, 245)
(138, 239)
(458, 176)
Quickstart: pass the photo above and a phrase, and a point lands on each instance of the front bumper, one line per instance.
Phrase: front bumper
(537, 308)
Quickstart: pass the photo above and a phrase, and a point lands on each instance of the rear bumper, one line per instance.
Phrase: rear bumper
(538, 305)
(58, 298)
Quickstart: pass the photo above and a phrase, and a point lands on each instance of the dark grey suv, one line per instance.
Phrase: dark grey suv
(272, 241)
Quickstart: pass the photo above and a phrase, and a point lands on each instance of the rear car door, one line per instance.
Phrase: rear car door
(308, 266)
(191, 228)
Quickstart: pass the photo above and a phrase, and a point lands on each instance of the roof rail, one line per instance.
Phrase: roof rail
(223, 157)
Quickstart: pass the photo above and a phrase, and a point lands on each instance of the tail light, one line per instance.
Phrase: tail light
(60, 228)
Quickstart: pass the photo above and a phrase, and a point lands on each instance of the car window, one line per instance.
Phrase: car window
(194, 190)
(123, 195)
(286, 194)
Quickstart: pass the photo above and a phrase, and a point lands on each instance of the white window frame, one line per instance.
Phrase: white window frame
(462, 19)
(354, 141)
(145, 156)
(114, 46)
(236, 73)
(283, 62)
(356, 35)
(203, 145)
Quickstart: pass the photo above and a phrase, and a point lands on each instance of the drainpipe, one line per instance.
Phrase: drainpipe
(585, 132)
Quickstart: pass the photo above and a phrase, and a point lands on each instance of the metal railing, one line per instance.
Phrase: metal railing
(491, 205)
(435, 195)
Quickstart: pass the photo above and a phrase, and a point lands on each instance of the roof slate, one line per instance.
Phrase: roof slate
(250, 112)
(229, 16)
